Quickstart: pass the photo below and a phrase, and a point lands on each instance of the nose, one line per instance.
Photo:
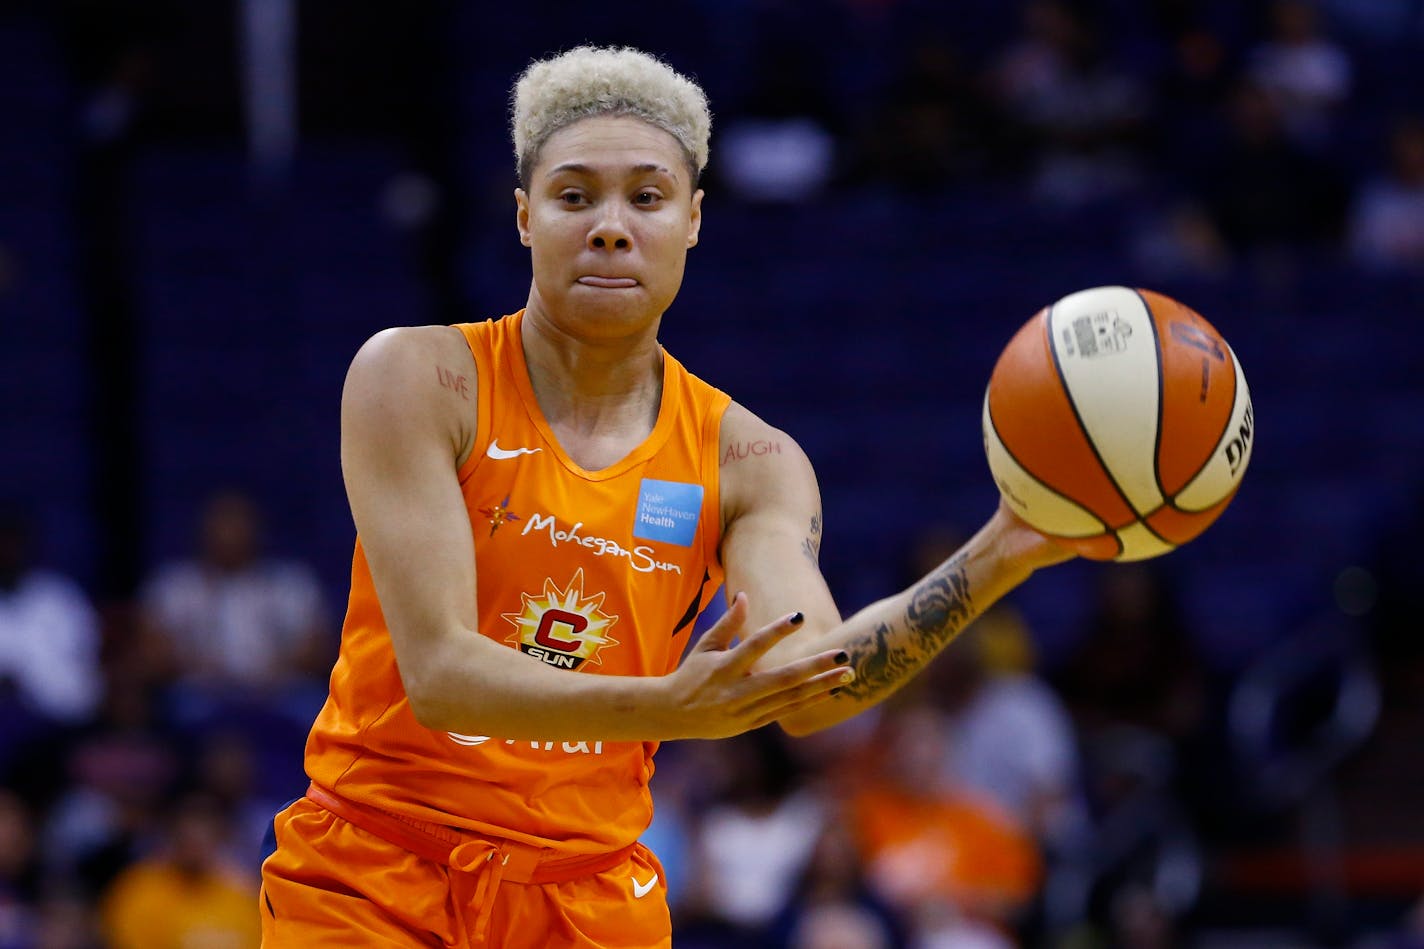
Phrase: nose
(610, 231)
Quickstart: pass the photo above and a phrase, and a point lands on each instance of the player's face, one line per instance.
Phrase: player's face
(608, 218)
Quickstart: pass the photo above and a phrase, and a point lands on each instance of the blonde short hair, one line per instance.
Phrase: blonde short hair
(603, 80)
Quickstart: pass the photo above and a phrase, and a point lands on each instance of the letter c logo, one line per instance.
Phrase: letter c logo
(575, 623)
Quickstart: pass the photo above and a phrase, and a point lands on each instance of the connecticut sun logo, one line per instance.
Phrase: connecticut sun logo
(563, 627)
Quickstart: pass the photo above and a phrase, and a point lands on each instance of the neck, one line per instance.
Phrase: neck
(592, 385)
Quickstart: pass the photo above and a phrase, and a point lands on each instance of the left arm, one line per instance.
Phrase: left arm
(770, 547)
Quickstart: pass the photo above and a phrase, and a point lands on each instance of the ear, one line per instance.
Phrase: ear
(694, 224)
(521, 216)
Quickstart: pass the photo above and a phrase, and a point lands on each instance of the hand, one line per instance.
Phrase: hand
(715, 693)
(1022, 544)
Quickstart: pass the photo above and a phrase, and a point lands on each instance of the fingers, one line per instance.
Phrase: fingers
(760, 642)
(722, 632)
(805, 691)
(819, 673)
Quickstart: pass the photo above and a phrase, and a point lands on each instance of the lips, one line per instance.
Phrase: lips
(612, 283)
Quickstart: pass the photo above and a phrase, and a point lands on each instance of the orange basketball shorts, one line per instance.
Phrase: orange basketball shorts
(396, 883)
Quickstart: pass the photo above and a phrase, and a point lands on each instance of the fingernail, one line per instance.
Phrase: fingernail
(842, 658)
(797, 618)
(837, 690)
(847, 676)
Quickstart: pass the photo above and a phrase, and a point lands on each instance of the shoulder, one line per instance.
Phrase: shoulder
(408, 380)
(760, 464)
(403, 349)
(739, 423)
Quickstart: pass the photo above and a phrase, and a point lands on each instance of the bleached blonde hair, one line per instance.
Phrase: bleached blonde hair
(604, 80)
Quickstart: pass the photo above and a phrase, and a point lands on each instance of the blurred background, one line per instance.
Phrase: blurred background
(206, 207)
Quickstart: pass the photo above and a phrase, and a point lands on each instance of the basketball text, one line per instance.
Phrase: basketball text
(1236, 448)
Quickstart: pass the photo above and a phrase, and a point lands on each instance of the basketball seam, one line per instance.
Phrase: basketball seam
(1072, 404)
(1044, 484)
(1225, 427)
(1161, 395)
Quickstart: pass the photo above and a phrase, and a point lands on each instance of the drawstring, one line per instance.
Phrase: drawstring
(472, 862)
(475, 861)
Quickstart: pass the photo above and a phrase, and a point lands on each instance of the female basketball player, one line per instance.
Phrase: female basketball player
(544, 503)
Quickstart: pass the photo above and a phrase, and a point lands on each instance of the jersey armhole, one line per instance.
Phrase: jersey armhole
(477, 338)
(712, 477)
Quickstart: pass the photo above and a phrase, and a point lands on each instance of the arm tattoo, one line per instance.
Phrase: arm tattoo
(453, 381)
(811, 545)
(738, 451)
(940, 606)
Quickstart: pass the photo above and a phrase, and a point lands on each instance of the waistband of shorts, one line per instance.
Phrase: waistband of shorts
(521, 862)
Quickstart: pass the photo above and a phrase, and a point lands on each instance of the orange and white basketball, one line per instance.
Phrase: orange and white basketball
(1118, 422)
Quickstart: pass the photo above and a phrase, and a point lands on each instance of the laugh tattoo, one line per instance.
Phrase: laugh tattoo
(940, 606)
(741, 451)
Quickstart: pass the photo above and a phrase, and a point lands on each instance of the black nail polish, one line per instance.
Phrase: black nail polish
(837, 690)
(842, 658)
(797, 618)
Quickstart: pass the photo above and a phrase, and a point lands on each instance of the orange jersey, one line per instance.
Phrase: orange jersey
(593, 572)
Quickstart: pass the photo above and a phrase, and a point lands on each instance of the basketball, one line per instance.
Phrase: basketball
(1117, 421)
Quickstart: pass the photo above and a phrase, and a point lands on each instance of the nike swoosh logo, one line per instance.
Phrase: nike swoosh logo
(641, 890)
(494, 451)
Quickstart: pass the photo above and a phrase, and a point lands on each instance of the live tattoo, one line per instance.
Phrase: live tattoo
(453, 382)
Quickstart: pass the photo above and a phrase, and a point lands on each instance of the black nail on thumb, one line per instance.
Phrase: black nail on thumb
(797, 618)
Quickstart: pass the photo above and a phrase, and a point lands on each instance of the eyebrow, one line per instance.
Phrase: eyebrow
(582, 169)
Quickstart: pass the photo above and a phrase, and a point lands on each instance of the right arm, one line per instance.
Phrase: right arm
(402, 436)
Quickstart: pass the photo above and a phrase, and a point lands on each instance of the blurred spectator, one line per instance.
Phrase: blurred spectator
(114, 774)
(1196, 70)
(227, 768)
(1009, 736)
(186, 894)
(19, 873)
(950, 859)
(780, 146)
(1085, 118)
(1255, 187)
(753, 844)
(1139, 921)
(1140, 696)
(67, 921)
(839, 926)
(1179, 241)
(232, 624)
(1387, 220)
(833, 906)
(1306, 75)
(932, 127)
(49, 638)
(1136, 662)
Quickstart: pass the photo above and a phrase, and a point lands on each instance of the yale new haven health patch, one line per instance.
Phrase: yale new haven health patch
(667, 511)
